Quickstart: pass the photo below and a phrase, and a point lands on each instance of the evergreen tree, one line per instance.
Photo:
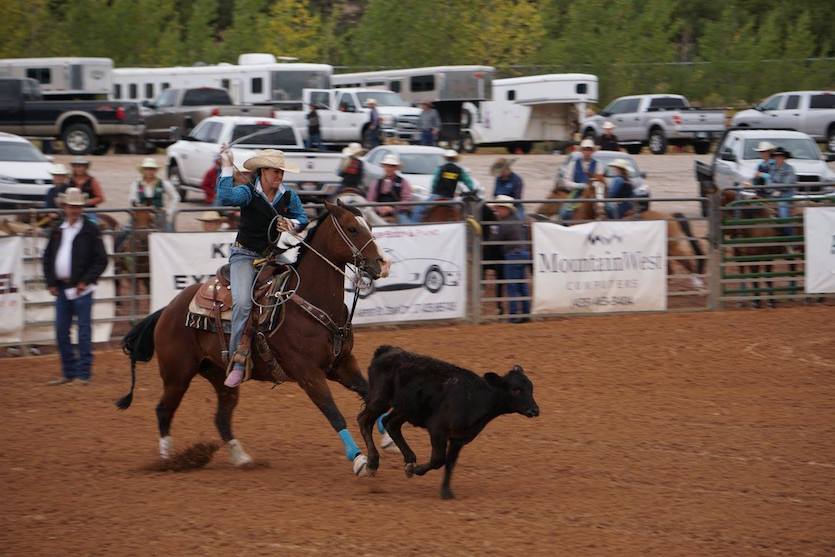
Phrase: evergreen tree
(199, 43)
(292, 30)
(244, 35)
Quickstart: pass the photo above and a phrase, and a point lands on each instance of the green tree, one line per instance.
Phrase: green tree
(293, 30)
(25, 28)
(244, 35)
(199, 40)
(502, 33)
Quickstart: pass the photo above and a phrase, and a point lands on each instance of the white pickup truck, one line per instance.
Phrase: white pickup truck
(344, 115)
(193, 155)
(810, 112)
(658, 121)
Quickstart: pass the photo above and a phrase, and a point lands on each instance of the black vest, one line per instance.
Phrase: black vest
(155, 200)
(448, 180)
(392, 196)
(86, 187)
(256, 218)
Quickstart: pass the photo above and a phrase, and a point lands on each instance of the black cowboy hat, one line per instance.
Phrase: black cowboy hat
(781, 151)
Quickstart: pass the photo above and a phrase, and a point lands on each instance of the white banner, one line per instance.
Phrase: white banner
(181, 259)
(819, 226)
(427, 280)
(598, 267)
(11, 284)
(35, 291)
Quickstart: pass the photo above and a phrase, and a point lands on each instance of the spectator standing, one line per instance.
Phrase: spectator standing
(73, 261)
(374, 129)
(429, 123)
(82, 180)
(314, 130)
(608, 141)
(152, 191)
(60, 183)
(351, 168)
(783, 174)
(510, 230)
(391, 187)
(209, 183)
(508, 182)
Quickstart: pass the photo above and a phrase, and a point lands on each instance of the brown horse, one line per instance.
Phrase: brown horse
(312, 345)
(130, 255)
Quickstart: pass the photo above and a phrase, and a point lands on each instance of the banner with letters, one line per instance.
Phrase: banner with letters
(11, 284)
(819, 227)
(598, 267)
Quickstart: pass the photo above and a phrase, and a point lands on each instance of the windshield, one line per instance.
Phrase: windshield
(206, 96)
(799, 148)
(281, 135)
(413, 163)
(286, 86)
(383, 98)
(20, 152)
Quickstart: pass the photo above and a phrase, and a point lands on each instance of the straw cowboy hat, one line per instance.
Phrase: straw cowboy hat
(620, 163)
(352, 149)
(501, 165)
(391, 159)
(781, 152)
(607, 125)
(58, 169)
(371, 102)
(587, 143)
(269, 158)
(148, 162)
(73, 196)
(765, 146)
(79, 161)
(210, 216)
(503, 201)
(450, 154)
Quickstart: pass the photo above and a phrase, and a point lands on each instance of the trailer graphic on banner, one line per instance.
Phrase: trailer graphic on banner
(599, 267)
(819, 227)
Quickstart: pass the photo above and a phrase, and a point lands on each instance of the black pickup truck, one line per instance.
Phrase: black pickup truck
(84, 126)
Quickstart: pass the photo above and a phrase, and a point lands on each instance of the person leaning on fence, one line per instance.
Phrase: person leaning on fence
(212, 221)
(81, 179)
(60, 183)
(392, 187)
(765, 168)
(620, 187)
(351, 168)
(583, 171)
(73, 261)
(445, 183)
(508, 182)
(152, 191)
(784, 175)
(510, 229)
(608, 141)
(260, 212)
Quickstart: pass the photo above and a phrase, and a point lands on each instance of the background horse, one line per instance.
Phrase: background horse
(130, 253)
(312, 345)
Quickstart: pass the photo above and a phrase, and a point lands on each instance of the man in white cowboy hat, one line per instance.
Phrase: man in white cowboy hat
(263, 201)
(152, 191)
(60, 182)
(765, 168)
(80, 178)
(392, 187)
(212, 221)
(608, 141)
(73, 261)
(374, 129)
(351, 167)
(620, 187)
(584, 170)
(510, 230)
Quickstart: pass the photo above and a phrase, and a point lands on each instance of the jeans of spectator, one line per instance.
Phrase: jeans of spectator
(404, 218)
(427, 137)
(315, 141)
(74, 365)
(241, 275)
(373, 138)
(516, 271)
(784, 211)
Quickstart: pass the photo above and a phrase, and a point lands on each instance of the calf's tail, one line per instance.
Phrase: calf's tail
(694, 243)
(139, 345)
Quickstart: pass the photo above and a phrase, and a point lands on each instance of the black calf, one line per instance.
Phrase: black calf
(454, 404)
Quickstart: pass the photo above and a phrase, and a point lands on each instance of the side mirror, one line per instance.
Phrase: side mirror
(728, 156)
(176, 134)
(605, 113)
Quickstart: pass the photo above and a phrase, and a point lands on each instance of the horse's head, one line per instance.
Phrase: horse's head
(353, 242)
(143, 218)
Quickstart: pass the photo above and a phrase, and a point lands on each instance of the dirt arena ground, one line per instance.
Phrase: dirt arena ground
(665, 434)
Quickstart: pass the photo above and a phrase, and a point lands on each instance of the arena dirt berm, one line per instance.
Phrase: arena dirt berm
(662, 434)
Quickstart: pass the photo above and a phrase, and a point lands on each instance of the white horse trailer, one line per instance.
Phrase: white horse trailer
(447, 87)
(525, 110)
(63, 78)
(256, 79)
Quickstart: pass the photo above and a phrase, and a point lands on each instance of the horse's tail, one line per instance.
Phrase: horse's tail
(694, 243)
(139, 345)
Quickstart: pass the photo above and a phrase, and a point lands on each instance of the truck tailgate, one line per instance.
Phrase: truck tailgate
(248, 110)
(314, 167)
(700, 121)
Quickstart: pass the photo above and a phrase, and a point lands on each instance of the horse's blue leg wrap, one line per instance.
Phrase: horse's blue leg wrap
(351, 448)
(380, 427)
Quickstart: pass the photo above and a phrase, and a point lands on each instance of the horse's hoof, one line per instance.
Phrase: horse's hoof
(237, 454)
(410, 469)
(360, 466)
(387, 443)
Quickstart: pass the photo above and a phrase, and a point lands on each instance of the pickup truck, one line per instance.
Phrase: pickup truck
(344, 115)
(193, 155)
(735, 160)
(658, 121)
(84, 126)
(175, 112)
(810, 112)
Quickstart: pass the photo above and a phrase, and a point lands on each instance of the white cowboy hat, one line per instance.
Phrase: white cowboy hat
(370, 102)
(352, 149)
(391, 159)
(607, 125)
(765, 146)
(587, 143)
(79, 161)
(503, 201)
(210, 216)
(269, 158)
(450, 154)
(73, 196)
(57, 169)
(620, 163)
(148, 162)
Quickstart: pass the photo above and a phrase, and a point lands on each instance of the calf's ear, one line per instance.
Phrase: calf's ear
(493, 379)
(517, 369)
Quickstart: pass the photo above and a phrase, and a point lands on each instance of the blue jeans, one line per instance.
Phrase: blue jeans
(315, 141)
(74, 365)
(516, 271)
(427, 137)
(241, 275)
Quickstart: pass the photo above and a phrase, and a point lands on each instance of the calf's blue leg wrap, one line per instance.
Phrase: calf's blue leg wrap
(351, 448)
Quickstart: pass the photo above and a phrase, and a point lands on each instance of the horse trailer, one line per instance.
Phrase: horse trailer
(447, 87)
(64, 78)
(528, 109)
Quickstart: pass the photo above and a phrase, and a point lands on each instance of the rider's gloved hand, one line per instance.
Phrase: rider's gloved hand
(283, 225)
(226, 156)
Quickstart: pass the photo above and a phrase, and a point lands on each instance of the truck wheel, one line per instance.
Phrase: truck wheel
(79, 139)
(525, 147)
(177, 180)
(702, 147)
(634, 149)
(657, 141)
(830, 138)
(468, 144)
